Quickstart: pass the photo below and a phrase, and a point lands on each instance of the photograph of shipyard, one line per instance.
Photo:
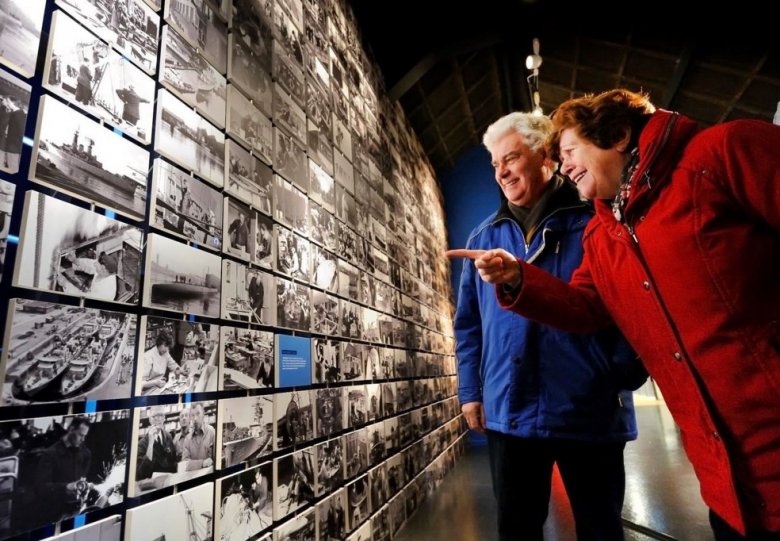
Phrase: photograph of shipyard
(247, 359)
(201, 27)
(181, 278)
(14, 104)
(62, 353)
(85, 71)
(129, 25)
(67, 249)
(246, 430)
(20, 33)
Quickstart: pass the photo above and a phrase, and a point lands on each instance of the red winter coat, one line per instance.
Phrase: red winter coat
(696, 290)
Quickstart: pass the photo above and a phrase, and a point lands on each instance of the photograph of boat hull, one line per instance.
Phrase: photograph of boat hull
(186, 138)
(89, 450)
(63, 353)
(200, 25)
(130, 25)
(185, 206)
(14, 104)
(177, 357)
(246, 429)
(187, 515)
(78, 156)
(7, 192)
(70, 250)
(181, 278)
(247, 360)
(86, 72)
(244, 503)
(20, 34)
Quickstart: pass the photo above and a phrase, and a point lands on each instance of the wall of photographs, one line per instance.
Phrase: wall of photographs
(228, 316)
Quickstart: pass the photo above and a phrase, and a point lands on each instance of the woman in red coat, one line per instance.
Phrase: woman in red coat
(684, 255)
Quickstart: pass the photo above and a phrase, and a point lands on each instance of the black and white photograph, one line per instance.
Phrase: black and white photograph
(299, 528)
(176, 357)
(288, 115)
(322, 189)
(326, 355)
(181, 278)
(363, 533)
(247, 360)
(247, 178)
(355, 452)
(172, 443)
(221, 8)
(357, 413)
(397, 513)
(317, 56)
(292, 305)
(185, 515)
(253, 22)
(248, 294)
(264, 241)
(373, 402)
(246, 71)
(367, 289)
(248, 125)
(70, 250)
(294, 476)
(318, 105)
(330, 465)
(288, 33)
(349, 245)
(389, 401)
(200, 25)
(288, 72)
(380, 525)
(64, 466)
(185, 206)
(62, 353)
(129, 25)
(188, 75)
(291, 206)
(362, 189)
(352, 327)
(245, 433)
(358, 495)
(289, 158)
(332, 517)
(323, 227)
(14, 105)
(186, 138)
(154, 4)
(330, 411)
(403, 395)
(7, 192)
(361, 216)
(319, 147)
(239, 228)
(87, 73)
(20, 34)
(293, 419)
(348, 281)
(292, 254)
(244, 503)
(342, 137)
(343, 172)
(325, 313)
(79, 157)
(108, 529)
(371, 331)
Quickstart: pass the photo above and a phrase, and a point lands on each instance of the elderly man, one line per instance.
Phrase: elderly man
(198, 446)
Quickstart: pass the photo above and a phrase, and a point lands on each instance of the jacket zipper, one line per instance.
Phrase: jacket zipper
(546, 230)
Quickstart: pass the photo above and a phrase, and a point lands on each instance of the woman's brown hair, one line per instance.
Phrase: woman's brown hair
(603, 119)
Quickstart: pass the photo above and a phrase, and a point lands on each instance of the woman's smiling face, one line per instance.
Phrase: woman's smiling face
(596, 171)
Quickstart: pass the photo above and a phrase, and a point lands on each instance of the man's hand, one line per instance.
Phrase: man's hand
(475, 416)
(496, 266)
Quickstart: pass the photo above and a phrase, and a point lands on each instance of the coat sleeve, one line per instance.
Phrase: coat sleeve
(468, 337)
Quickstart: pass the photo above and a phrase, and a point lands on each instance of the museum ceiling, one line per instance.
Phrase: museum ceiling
(456, 67)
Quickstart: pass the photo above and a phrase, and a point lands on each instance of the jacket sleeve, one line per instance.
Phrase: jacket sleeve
(468, 337)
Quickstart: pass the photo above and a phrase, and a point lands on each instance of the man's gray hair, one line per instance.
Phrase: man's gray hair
(533, 128)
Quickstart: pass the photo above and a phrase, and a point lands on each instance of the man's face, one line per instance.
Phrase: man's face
(156, 418)
(518, 170)
(197, 418)
(184, 419)
(76, 436)
(162, 349)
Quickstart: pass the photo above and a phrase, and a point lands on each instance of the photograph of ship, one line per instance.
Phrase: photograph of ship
(293, 419)
(248, 179)
(247, 360)
(186, 138)
(200, 25)
(291, 206)
(244, 503)
(325, 313)
(181, 278)
(300, 528)
(330, 466)
(62, 353)
(289, 158)
(171, 444)
(321, 187)
(292, 254)
(292, 305)
(294, 477)
(20, 34)
(246, 430)
(264, 241)
(185, 206)
(188, 75)
(248, 125)
(7, 191)
(187, 515)
(78, 156)
(288, 115)
(70, 250)
(108, 529)
(323, 226)
(65, 465)
(86, 72)
(248, 74)
(14, 104)
(288, 72)
(332, 517)
(176, 357)
(247, 294)
(129, 25)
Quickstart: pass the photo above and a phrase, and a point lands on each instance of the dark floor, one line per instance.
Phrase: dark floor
(662, 494)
